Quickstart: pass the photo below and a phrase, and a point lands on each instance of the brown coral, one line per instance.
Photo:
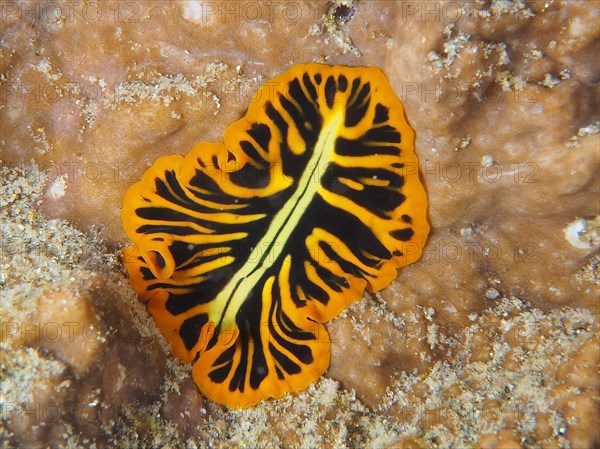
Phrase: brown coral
(490, 340)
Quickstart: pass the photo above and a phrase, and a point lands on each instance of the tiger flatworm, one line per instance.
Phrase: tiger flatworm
(243, 249)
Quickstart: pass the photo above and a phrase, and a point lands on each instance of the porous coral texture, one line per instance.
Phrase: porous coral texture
(490, 340)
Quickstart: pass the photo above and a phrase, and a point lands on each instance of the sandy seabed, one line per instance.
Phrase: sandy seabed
(489, 341)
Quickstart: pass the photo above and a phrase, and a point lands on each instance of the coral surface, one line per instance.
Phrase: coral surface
(490, 340)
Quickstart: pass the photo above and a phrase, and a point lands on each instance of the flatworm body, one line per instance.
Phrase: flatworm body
(243, 249)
